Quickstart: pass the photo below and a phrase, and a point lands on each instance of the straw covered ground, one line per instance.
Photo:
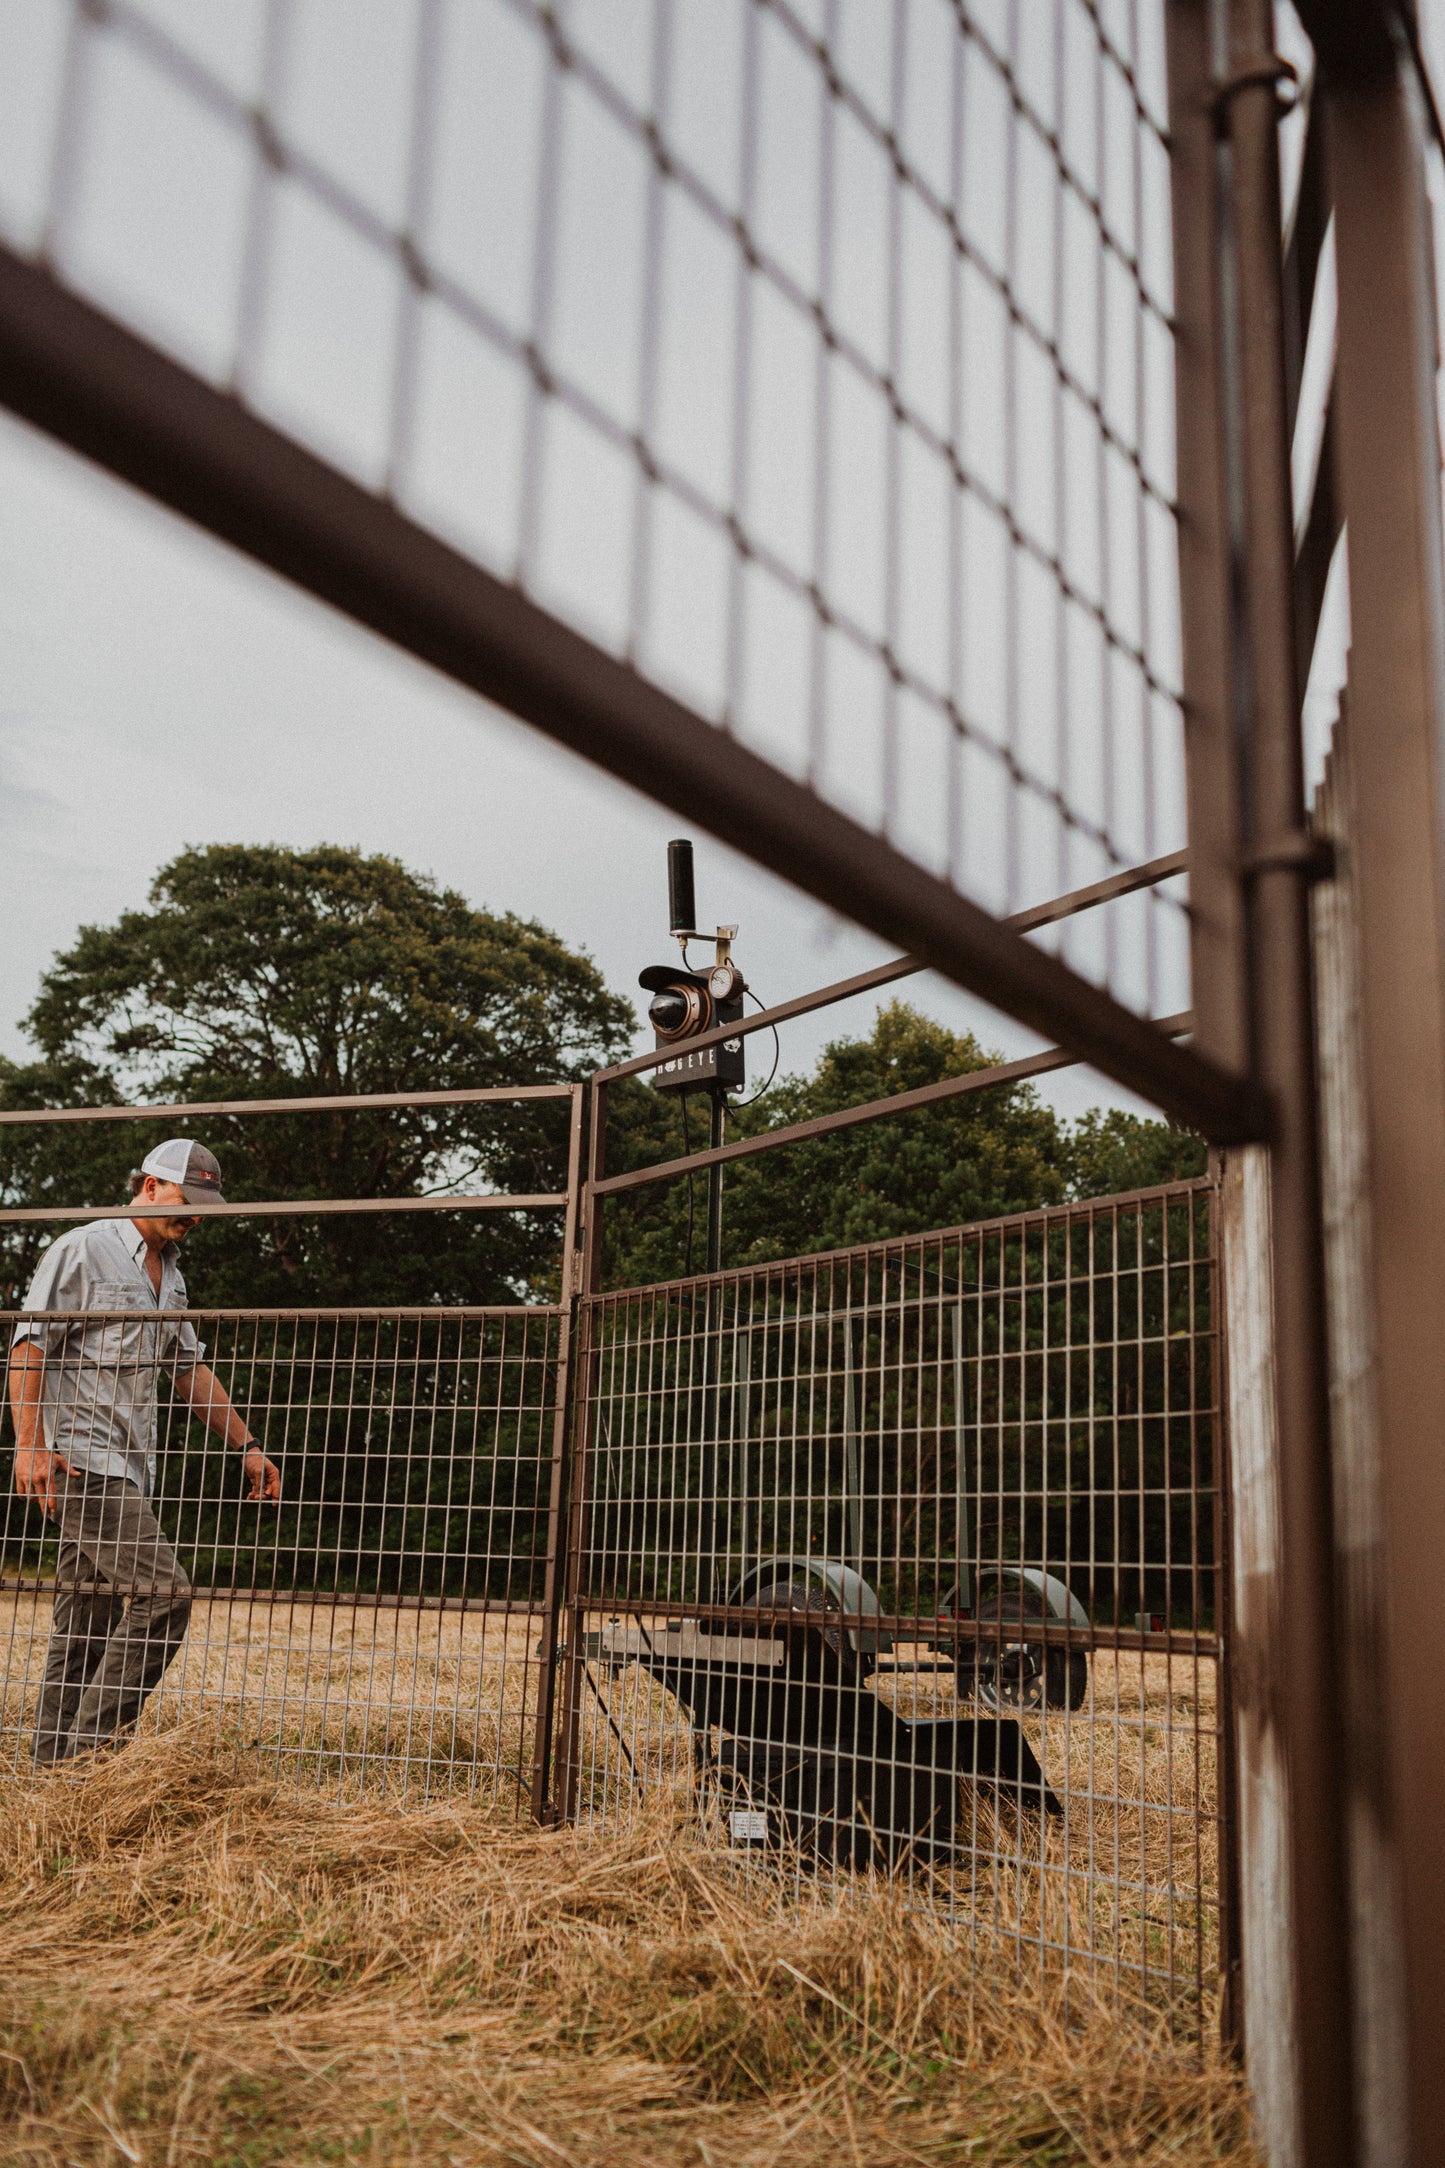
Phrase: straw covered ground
(203, 1965)
(299, 1920)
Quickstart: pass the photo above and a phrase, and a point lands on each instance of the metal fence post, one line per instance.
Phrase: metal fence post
(1218, 953)
(1251, 864)
(1390, 482)
(557, 1500)
(1231, 1938)
(574, 1595)
(1255, 1965)
(1278, 861)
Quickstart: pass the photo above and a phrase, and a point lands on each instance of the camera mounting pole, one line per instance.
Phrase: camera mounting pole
(716, 1125)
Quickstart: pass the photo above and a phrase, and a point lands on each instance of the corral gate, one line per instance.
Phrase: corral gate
(962, 1488)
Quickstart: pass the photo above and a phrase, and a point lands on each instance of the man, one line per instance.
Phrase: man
(84, 1398)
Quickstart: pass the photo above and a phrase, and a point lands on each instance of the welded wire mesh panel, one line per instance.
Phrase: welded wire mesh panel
(813, 355)
(906, 1560)
(377, 1624)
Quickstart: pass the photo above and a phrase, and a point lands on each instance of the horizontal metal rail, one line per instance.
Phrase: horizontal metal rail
(908, 1628)
(872, 1110)
(379, 1313)
(72, 370)
(285, 1208)
(907, 967)
(336, 1599)
(912, 1626)
(1002, 1223)
(342, 1104)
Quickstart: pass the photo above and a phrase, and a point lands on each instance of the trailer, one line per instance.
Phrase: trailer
(792, 1737)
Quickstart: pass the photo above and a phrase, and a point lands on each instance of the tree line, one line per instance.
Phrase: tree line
(261, 973)
(258, 972)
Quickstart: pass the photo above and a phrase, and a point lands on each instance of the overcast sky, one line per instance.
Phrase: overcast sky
(158, 690)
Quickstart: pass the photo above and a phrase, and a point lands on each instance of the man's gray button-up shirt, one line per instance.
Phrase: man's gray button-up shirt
(98, 1402)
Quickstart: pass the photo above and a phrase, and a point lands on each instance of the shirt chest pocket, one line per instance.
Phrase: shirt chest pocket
(125, 1339)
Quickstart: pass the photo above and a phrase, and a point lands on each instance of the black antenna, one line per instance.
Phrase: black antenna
(681, 899)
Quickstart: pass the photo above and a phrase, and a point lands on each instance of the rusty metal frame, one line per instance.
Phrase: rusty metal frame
(1251, 865)
(311, 1207)
(1231, 1912)
(556, 1796)
(81, 376)
(340, 1103)
(1389, 465)
(293, 1208)
(1305, 1669)
(1218, 947)
(453, 1384)
(660, 1325)
(562, 1429)
(568, 1201)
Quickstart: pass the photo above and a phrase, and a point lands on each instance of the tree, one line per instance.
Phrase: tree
(969, 1158)
(1110, 1151)
(59, 1164)
(258, 972)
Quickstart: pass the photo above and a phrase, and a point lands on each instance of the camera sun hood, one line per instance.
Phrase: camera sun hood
(712, 1067)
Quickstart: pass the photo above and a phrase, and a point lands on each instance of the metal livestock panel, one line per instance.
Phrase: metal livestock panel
(773, 401)
(910, 1558)
(383, 1622)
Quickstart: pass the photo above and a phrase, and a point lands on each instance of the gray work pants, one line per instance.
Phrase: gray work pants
(122, 1603)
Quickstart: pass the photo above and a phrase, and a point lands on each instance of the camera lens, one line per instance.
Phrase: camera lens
(668, 1009)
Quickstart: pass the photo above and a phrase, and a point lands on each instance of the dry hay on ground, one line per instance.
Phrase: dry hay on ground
(203, 1966)
(1126, 1879)
(412, 1701)
(433, 1704)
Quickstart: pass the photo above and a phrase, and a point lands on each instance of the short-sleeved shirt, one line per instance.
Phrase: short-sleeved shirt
(98, 1398)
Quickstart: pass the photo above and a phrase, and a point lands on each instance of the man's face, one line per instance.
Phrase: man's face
(164, 1224)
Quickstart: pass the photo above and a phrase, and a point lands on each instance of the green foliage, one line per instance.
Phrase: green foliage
(969, 1159)
(416, 1454)
(1027, 1393)
(1110, 1152)
(57, 1163)
(258, 972)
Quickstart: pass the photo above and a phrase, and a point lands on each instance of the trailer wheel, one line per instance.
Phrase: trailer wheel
(814, 1650)
(1026, 1674)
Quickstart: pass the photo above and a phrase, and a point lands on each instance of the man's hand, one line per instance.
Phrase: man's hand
(263, 1477)
(36, 1470)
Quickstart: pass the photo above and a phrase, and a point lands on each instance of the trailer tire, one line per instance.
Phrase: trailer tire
(814, 1649)
(1025, 1675)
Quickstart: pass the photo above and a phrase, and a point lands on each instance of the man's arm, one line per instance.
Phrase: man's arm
(35, 1465)
(205, 1395)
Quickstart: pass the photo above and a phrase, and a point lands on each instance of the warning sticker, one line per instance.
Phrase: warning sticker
(749, 1825)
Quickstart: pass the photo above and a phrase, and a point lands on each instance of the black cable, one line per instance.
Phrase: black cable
(686, 1151)
(777, 1056)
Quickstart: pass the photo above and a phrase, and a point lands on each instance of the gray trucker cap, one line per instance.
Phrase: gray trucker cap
(181, 1160)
